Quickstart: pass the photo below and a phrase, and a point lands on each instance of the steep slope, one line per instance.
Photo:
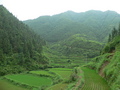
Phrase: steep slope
(78, 45)
(95, 24)
(77, 48)
(20, 48)
(108, 63)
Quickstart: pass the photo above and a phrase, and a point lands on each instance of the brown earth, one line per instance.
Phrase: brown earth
(101, 73)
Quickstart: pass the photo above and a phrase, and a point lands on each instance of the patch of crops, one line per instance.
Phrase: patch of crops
(61, 69)
(30, 80)
(44, 73)
(60, 86)
(63, 72)
(5, 85)
(93, 81)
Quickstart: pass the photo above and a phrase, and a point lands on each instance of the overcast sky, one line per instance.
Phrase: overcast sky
(30, 9)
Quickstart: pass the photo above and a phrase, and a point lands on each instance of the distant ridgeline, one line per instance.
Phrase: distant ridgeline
(96, 25)
(20, 48)
(76, 34)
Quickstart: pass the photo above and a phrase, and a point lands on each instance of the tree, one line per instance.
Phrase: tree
(110, 38)
(114, 32)
(119, 29)
(1, 57)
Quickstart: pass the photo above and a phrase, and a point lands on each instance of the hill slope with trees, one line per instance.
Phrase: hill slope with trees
(76, 34)
(20, 47)
(108, 63)
(95, 24)
(78, 47)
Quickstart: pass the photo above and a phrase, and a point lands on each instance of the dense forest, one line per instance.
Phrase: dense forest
(20, 47)
(96, 25)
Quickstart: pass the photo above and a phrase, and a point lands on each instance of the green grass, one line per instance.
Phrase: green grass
(63, 72)
(5, 85)
(42, 73)
(30, 80)
(93, 81)
(60, 86)
(37, 81)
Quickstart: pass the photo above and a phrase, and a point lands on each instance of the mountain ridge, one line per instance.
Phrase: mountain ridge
(96, 24)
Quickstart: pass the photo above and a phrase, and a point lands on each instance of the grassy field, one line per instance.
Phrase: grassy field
(93, 81)
(5, 85)
(30, 80)
(46, 73)
(60, 86)
(63, 72)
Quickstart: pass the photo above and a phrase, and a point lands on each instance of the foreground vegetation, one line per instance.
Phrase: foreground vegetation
(108, 63)
(29, 80)
(38, 79)
(93, 81)
(5, 85)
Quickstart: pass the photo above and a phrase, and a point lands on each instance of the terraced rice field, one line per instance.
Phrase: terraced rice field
(63, 72)
(41, 73)
(93, 81)
(60, 86)
(30, 80)
(5, 85)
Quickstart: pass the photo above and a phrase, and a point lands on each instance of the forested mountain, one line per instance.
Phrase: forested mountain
(76, 34)
(20, 47)
(95, 24)
(78, 46)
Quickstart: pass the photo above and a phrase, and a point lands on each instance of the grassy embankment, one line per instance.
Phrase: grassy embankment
(93, 81)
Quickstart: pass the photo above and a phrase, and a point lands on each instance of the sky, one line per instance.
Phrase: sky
(31, 9)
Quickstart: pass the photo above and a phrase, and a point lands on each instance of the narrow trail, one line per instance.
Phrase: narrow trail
(93, 81)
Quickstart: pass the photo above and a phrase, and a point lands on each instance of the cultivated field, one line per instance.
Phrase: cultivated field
(38, 79)
(64, 73)
(5, 85)
(42, 73)
(54, 79)
(29, 81)
(93, 81)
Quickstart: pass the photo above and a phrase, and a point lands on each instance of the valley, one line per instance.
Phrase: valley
(67, 51)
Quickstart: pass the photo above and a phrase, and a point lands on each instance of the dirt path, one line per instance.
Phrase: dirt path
(101, 73)
(93, 81)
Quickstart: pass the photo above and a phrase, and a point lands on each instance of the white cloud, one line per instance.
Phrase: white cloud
(28, 9)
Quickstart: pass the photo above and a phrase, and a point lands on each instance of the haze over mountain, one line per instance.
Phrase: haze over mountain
(72, 31)
(95, 24)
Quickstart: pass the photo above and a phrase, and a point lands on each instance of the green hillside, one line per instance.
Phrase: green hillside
(20, 47)
(108, 63)
(75, 36)
(95, 24)
(78, 46)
